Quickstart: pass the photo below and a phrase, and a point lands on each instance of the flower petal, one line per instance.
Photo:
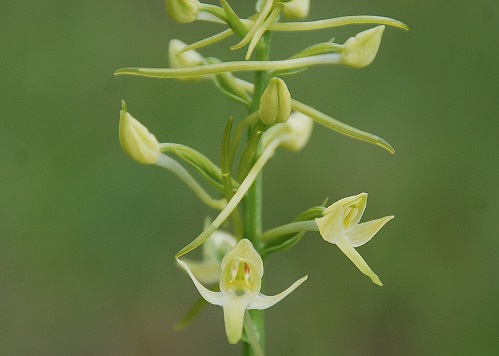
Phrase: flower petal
(234, 308)
(330, 225)
(243, 252)
(347, 248)
(215, 298)
(353, 209)
(362, 233)
(261, 301)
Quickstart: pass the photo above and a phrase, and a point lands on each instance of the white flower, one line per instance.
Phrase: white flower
(240, 283)
(340, 226)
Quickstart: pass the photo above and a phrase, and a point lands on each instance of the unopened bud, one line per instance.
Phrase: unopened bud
(183, 11)
(275, 104)
(136, 140)
(299, 131)
(359, 51)
(293, 134)
(296, 9)
(186, 59)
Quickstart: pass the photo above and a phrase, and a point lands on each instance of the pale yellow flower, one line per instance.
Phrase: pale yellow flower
(340, 226)
(240, 284)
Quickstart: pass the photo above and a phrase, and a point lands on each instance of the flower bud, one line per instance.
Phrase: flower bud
(293, 134)
(359, 51)
(183, 11)
(217, 246)
(186, 59)
(300, 129)
(296, 9)
(136, 140)
(275, 104)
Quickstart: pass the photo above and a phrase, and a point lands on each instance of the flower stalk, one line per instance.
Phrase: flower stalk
(235, 260)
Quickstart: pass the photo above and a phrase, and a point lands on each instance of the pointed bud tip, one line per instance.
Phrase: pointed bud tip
(360, 51)
(275, 104)
(137, 142)
(376, 279)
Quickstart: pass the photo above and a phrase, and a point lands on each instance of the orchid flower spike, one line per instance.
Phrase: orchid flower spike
(240, 283)
(215, 248)
(340, 226)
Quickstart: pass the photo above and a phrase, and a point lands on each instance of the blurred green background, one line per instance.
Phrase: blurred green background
(87, 236)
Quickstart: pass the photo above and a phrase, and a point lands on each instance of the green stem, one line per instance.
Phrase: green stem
(251, 335)
(227, 179)
(241, 127)
(169, 163)
(308, 225)
(253, 203)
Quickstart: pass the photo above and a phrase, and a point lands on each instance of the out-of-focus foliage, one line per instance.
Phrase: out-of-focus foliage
(87, 235)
